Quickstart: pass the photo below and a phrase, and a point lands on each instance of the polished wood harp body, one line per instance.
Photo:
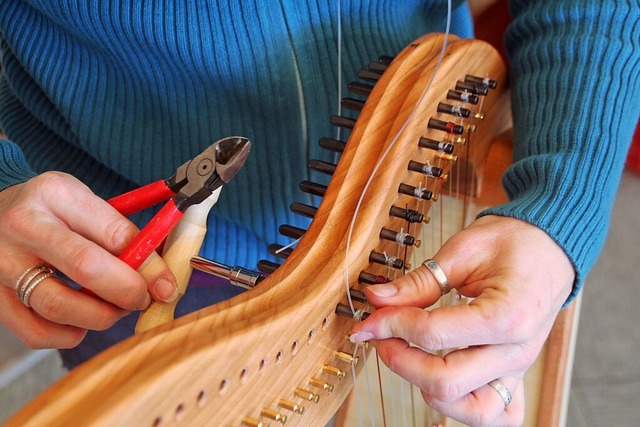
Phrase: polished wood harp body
(247, 360)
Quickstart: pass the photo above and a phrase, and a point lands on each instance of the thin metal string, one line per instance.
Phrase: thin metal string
(376, 168)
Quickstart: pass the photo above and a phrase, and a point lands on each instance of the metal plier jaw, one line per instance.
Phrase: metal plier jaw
(199, 177)
(192, 183)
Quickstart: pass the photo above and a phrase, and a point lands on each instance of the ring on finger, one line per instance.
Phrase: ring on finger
(503, 391)
(439, 275)
(30, 279)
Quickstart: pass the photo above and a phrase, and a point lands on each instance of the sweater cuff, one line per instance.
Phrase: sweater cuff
(13, 166)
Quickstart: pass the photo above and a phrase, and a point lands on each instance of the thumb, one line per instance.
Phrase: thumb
(159, 278)
(418, 288)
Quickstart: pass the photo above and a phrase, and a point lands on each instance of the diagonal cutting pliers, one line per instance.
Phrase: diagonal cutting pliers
(192, 183)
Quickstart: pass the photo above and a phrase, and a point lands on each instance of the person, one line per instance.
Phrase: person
(95, 101)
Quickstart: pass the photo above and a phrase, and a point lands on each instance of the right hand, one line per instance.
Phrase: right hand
(55, 220)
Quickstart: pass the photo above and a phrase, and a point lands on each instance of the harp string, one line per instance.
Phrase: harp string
(370, 180)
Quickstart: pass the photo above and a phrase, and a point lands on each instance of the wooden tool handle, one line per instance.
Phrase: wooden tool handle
(183, 243)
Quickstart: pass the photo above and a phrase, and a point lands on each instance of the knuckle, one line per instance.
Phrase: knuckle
(431, 339)
(118, 233)
(84, 261)
(443, 389)
(52, 306)
(74, 338)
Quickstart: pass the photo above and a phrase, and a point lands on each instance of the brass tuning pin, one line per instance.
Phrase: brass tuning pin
(346, 357)
(322, 384)
(252, 422)
(291, 406)
(335, 372)
(307, 395)
(274, 415)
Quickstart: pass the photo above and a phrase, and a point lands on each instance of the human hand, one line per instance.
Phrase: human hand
(55, 220)
(519, 278)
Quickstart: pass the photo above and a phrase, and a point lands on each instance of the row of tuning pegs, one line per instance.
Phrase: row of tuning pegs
(288, 407)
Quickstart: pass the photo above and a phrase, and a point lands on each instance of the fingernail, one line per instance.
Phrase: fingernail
(361, 336)
(383, 290)
(166, 290)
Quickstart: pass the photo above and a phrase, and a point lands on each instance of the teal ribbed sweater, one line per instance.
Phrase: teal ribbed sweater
(119, 92)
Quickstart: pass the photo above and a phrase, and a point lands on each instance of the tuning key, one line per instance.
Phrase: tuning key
(400, 238)
(448, 127)
(417, 192)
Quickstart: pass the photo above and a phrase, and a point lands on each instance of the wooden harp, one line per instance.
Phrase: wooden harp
(260, 357)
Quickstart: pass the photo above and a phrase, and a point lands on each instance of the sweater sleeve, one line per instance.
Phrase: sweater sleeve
(575, 91)
(13, 166)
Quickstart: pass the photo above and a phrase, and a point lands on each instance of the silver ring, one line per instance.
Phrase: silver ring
(29, 279)
(439, 275)
(503, 391)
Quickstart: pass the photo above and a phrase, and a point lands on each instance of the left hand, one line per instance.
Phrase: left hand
(519, 278)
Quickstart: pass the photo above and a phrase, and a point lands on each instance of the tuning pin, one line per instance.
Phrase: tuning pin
(307, 395)
(372, 279)
(353, 104)
(279, 251)
(400, 238)
(454, 110)
(267, 267)
(406, 214)
(313, 188)
(448, 127)
(252, 422)
(323, 167)
(360, 88)
(476, 89)
(302, 209)
(386, 260)
(320, 383)
(491, 84)
(291, 231)
(425, 169)
(417, 192)
(386, 59)
(346, 357)
(439, 146)
(332, 144)
(377, 67)
(357, 295)
(462, 97)
(333, 371)
(343, 122)
(291, 406)
(368, 75)
(274, 415)
(345, 311)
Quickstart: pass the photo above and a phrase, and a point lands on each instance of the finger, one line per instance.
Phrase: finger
(114, 234)
(58, 303)
(418, 288)
(485, 406)
(486, 320)
(33, 330)
(93, 268)
(456, 374)
(162, 284)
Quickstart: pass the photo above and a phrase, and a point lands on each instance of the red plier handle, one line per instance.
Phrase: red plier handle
(141, 198)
